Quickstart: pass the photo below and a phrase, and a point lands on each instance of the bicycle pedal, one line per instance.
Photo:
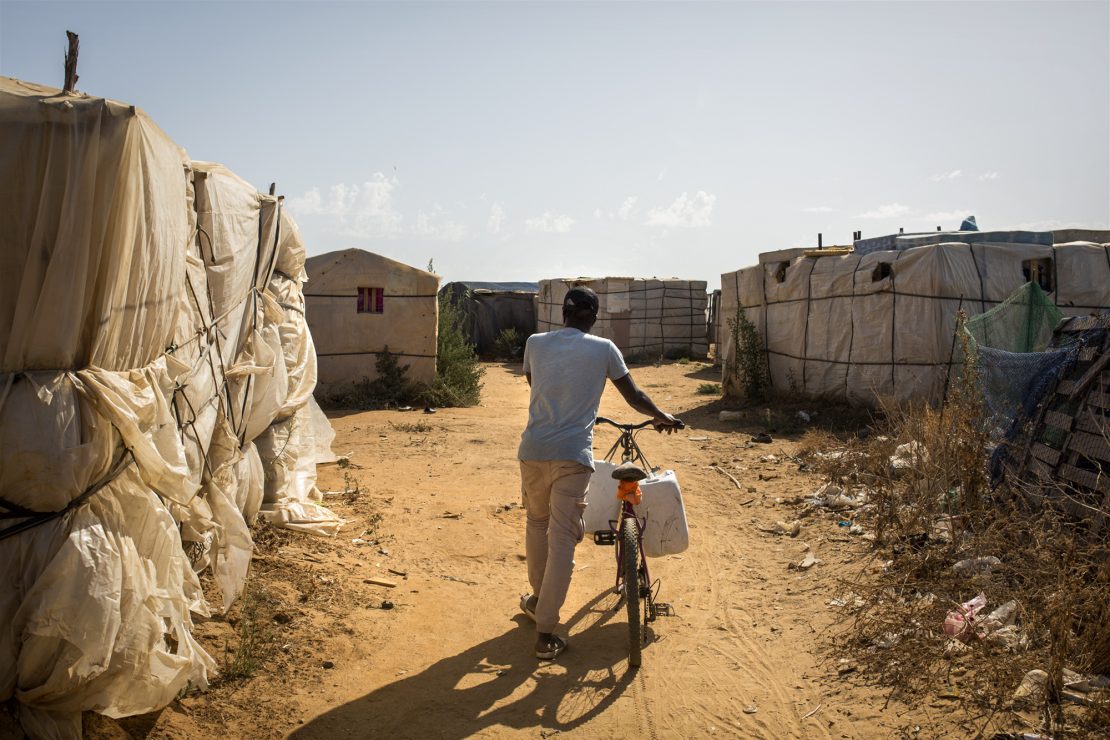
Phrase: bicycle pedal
(663, 610)
(602, 537)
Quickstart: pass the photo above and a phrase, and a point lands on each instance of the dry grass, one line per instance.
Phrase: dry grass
(933, 509)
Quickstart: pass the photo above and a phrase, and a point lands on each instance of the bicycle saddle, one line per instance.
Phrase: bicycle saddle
(629, 471)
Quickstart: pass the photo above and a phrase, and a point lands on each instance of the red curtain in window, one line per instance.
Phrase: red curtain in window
(371, 300)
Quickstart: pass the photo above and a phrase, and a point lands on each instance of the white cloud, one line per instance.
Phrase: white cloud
(946, 175)
(819, 209)
(661, 175)
(549, 222)
(692, 212)
(496, 218)
(628, 208)
(598, 213)
(891, 210)
(364, 210)
(429, 226)
(992, 175)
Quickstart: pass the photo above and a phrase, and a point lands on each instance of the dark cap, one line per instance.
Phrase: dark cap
(580, 298)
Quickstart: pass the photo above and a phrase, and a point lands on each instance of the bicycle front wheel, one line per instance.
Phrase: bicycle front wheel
(630, 570)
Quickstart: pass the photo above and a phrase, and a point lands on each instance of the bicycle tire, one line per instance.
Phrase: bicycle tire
(630, 570)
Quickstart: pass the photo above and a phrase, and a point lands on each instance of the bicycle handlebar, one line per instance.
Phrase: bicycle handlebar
(633, 427)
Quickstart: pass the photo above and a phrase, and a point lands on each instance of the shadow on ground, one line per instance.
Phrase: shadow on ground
(470, 692)
(778, 417)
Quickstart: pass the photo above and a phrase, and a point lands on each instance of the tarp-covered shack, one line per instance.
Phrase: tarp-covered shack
(359, 303)
(491, 308)
(156, 379)
(862, 327)
(645, 318)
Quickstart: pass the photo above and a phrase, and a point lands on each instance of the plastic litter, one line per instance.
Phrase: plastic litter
(980, 566)
(960, 622)
(792, 528)
(908, 456)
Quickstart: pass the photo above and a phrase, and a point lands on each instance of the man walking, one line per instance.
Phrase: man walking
(566, 370)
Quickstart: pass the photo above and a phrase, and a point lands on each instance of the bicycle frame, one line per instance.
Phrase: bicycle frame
(631, 452)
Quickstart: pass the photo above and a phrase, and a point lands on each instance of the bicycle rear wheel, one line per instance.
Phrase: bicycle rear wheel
(630, 571)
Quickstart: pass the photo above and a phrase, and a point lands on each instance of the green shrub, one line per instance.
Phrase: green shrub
(709, 389)
(509, 343)
(748, 368)
(391, 387)
(458, 380)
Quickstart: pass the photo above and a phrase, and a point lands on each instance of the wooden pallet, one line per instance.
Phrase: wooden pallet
(1065, 451)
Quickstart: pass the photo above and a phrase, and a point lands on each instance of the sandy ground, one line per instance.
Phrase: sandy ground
(437, 512)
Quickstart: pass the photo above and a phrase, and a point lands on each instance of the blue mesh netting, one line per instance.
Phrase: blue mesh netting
(1013, 383)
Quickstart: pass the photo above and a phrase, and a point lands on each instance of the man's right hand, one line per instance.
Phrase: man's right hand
(666, 422)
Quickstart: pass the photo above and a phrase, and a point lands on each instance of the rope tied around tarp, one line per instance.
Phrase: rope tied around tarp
(33, 518)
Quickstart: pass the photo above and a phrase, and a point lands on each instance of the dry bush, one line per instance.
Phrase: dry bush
(935, 508)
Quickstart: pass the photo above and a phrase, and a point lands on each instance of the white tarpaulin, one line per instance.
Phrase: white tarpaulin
(863, 327)
(152, 348)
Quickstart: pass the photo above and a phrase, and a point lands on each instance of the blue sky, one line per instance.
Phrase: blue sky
(518, 141)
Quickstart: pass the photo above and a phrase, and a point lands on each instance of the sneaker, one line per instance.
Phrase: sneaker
(528, 605)
(548, 647)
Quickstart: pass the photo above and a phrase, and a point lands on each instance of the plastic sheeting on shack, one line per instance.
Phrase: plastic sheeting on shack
(358, 304)
(645, 318)
(491, 308)
(863, 327)
(155, 396)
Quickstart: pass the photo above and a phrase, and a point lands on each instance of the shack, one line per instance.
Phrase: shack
(839, 324)
(492, 308)
(645, 318)
(358, 304)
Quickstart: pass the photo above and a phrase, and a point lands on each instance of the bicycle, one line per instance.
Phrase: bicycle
(633, 582)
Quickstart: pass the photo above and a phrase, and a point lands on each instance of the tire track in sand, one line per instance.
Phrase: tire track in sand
(714, 644)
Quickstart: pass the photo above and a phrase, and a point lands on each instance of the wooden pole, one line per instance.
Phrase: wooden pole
(71, 63)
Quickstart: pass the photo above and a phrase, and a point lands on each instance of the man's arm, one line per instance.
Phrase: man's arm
(642, 402)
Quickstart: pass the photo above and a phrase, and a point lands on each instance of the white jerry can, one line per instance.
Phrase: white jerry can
(665, 530)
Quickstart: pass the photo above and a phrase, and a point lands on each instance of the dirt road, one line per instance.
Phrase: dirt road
(437, 513)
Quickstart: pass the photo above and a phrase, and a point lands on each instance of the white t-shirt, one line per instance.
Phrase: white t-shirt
(568, 369)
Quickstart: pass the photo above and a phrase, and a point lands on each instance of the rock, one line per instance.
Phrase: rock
(387, 605)
(328, 664)
(762, 438)
(804, 417)
(283, 618)
(751, 709)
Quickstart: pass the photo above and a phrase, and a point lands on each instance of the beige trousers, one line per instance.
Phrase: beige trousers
(554, 497)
